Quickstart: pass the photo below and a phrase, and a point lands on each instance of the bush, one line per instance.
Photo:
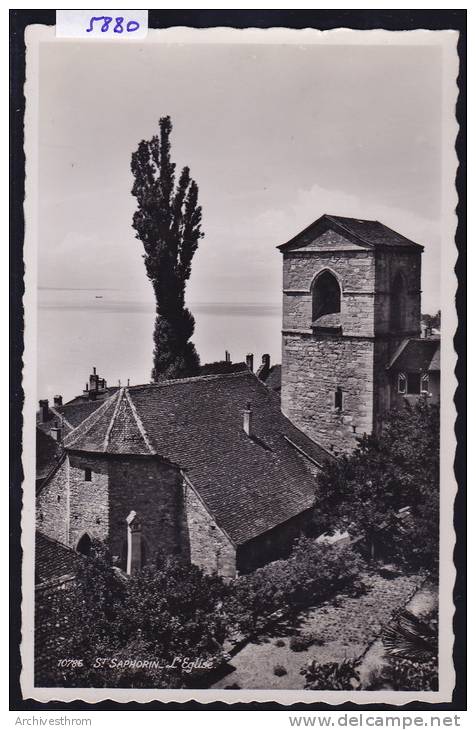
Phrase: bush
(172, 611)
(405, 675)
(279, 670)
(301, 643)
(332, 676)
(280, 642)
(312, 573)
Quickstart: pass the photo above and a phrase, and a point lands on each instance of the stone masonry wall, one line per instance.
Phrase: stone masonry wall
(387, 265)
(355, 273)
(209, 547)
(51, 506)
(153, 490)
(313, 367)
(88, 500)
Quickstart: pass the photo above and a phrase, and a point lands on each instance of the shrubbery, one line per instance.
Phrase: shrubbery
(160, 614)
(362, 492)
(312, 573)
(332, 676)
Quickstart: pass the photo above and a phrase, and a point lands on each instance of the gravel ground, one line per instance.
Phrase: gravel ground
(343, 627)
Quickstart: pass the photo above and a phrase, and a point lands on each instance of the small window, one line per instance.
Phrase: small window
(87, 475)
(338, 399)
(413, 384)
(402, 383)
(424, 383)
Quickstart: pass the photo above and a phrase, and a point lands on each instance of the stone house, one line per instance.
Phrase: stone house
(207, 468)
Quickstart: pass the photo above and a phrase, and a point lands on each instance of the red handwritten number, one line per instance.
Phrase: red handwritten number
(119, 28)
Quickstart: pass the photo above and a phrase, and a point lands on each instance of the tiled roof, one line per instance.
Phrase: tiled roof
(71, 414)
(415, 355)
(249, 484)
(222, 367)
(367, 233)
(53, 560)
(48, 454)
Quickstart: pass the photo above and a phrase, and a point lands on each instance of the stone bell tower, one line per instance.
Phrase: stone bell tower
(351, 294)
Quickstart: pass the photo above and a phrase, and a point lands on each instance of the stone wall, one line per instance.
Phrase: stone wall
(88, 500)
(315, 364)
(314, 367)
(153, 490)
(387, 265)
(209, 546)
(51, 506)
(354, 270)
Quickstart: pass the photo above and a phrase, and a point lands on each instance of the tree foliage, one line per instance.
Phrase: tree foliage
(362, 492)
(171, 616)
(310, 575)
(168, 223)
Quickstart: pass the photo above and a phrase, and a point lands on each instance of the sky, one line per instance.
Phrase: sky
(274, 135)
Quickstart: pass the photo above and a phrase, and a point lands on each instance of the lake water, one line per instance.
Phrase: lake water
(112, 330)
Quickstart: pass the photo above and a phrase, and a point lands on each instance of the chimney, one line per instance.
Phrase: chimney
(247, 420)
(249, 361)
(44, 411)
(57, 432)
(266, 360)
(94, 371)
(227, 356)
(58, 401)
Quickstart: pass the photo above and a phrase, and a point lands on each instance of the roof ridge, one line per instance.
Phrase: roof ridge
(138, 420)
(337, 221)
(398, 352)
(111, 422)
(191, 379)
(89, 421)
(63, 418)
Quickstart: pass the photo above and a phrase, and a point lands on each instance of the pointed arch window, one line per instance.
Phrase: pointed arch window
(84, 545)
(325, 296)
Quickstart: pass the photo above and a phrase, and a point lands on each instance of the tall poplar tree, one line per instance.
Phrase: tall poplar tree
(168, 223)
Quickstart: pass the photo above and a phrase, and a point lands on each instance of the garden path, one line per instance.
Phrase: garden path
(343, 628)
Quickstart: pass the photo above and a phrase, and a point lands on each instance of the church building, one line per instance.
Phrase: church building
(222, 469)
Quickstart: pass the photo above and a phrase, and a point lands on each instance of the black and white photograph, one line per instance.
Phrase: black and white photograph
(239, 366)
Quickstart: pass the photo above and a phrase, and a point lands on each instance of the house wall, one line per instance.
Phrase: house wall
(153, 490)
(397, 398)
(51, 506)
(209, 547)
(88, 501)
(313, 367)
